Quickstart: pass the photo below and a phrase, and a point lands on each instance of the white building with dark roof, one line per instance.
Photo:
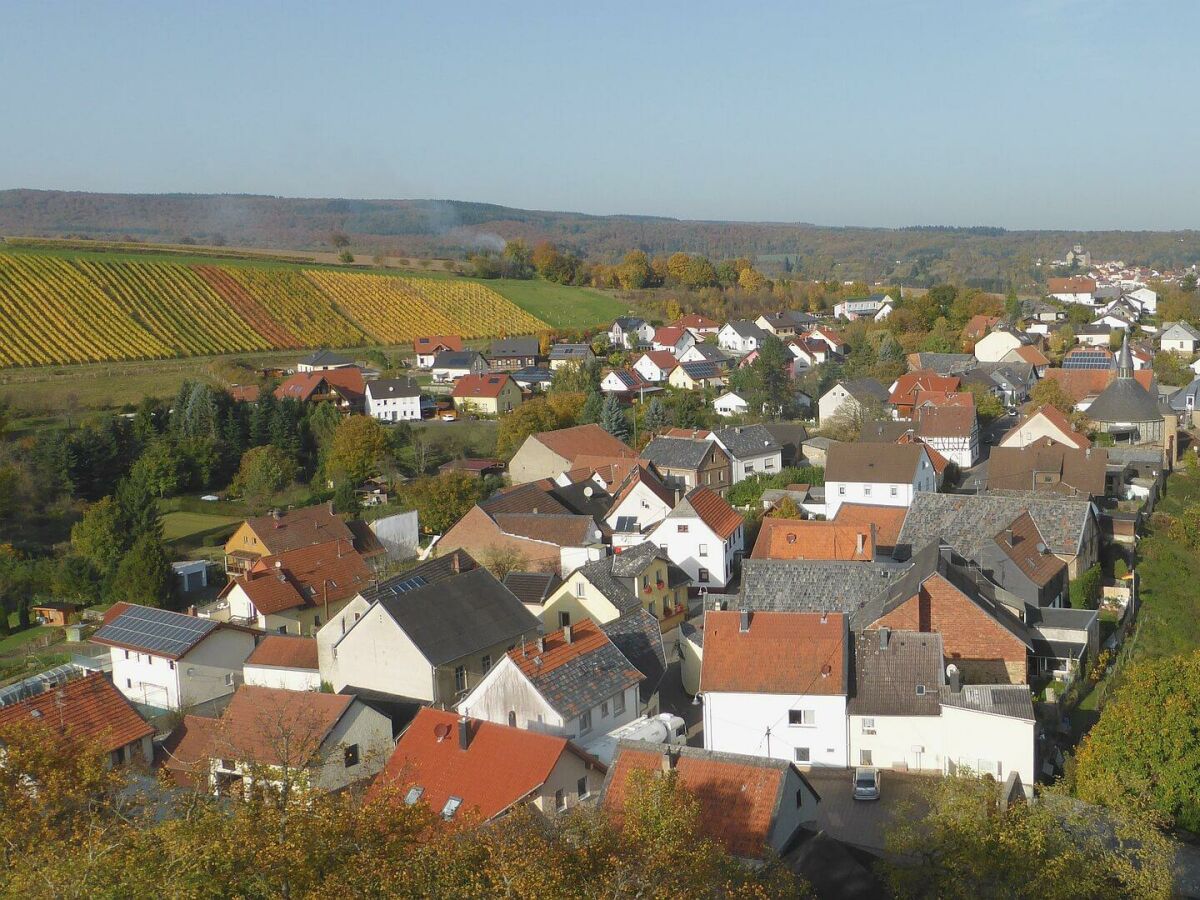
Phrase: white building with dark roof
(393, 400)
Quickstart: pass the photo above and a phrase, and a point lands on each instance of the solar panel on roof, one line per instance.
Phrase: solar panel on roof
(156, 630)
(1086, 359)
(408, 584)
(627, 523)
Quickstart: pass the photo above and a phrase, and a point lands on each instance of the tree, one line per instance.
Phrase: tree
(1172, 368)
(500, 560)
(1049, 392)
(577, 378)
(100, 537)
(655, 417)
(593, 409)
(847, 424)
(346, 257)
(634, 273)
(144, 574)
(988, 407)
(517, 260)
(358, 449)
(969, 844)
(785, 509)
(612, 418)
(264, 472)
(750, 279)
(160, 468)
(441, 500)
(339, 239)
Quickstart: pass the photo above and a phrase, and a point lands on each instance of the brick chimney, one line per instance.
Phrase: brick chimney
(464, 733)
(567, 635)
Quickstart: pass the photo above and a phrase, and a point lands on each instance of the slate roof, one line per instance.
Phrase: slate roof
(747, 441)
(943, 363)
(516, 346)
(1074, 472)
(1124, 401)
(866, 389)
(1020, 542)
(813, 586)
(88, 708)
(393, 387)
(325, 358)
(629, 323)
(711, 353)
(874, 463)
(599, 574)
(888, 666)
(676, 453)
(1011, 700)
(1173, 332)
(638, 636)
(780, 653)
(964, 520)
(456, 359)
(460, 615)
(747, 329)
(533, 588)
(574, 677)
(429, 572)
(524, 498)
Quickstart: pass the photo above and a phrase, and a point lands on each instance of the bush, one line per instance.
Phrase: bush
(751, 489)
(1085, 590)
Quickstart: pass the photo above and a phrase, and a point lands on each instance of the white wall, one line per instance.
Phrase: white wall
(1000, 743)
(398, 533)
(699, 548)
(144, 678)
(769, 463)
(394, 409)
(830, 403)
(995, 346)
(738, 723)
(204, 671)
(642, 503)
(331, 632)
(287, 679)
(839, 492)
(895, 741)
(505, 689)
(376, 654)
(371, 731)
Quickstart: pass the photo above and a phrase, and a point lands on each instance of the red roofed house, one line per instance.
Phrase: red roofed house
(549, 453)
(753, 806)
(700, 326)
(427, 348)
(323, 742)
(704, 536)
(492, 394)
(87, 708)
(677, 340)
(284, 661)
(283, 530)
(812, 539)
(1078, 289)
(775, 684)
(978, 326)
(469, 767)
(951, 430)
(886, 522)
(904, 392)
(295, 592)
(345, 388)
(655, 365)
(1045, 422)
(1085, 385)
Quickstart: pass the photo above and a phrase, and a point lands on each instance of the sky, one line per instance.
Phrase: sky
(1074, 114)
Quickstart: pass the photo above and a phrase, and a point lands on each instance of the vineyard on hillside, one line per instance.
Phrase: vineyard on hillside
(55, 310)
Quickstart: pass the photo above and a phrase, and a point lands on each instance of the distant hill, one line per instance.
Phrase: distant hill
(986, 257)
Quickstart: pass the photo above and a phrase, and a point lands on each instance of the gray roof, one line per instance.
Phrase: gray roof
(639, 637)
(677, 452)
(460, 615)
(787, 585)
(888, 666)
(744, 441)
(632, 562)
(1000, 699)
(1187, 330)
(711, 353)
(456, 359)
(325, 358)
(517, 346)
(947, 363)
(393, 387)
(571, 351)
(1178, 400)
(1124, 400)
(532, 587)
(702, 368)
(747, 329)
(629, 323)
(153, 630)
(1062, 617)
(586, 680)
(965, 521)
(866, 389)
(787, 434)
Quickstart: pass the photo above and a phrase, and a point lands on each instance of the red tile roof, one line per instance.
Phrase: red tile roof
(739, 799)
(435, 342)
(1021, 542)
(944, 398)
(299, 527)
(936, 459)
(89, 708)
(488, 385)
(979, 325)
(641, 475)
(910, 384)
(888, 520)
(1078, 284)
(285, 652)
(945, 421)
(246, 393)
(695, 320)
(253, 726)
(307, 576)
(348, 382)
(1031, 355)
(664, 359)
(1054, 416)
(1080, 384)
(186, 752)
(781, 653)
(500, 767)
(586, 637)
(714, 511)
(584, 440)
(563, 530)
(810, 539)
(668, 335)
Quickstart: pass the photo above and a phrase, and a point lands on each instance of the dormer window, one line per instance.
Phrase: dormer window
(451, 807)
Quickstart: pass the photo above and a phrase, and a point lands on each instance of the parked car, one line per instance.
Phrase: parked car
(866, 783)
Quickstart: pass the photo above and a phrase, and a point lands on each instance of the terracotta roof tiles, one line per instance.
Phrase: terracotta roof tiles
(888, 520)
(285, 652)
(810, 539)
(779, 653)
(583, 440)
(89, 708)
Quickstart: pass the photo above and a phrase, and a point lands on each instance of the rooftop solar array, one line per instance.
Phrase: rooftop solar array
(627, 523)
(1088, 359)
(405, 585)
(156, 630)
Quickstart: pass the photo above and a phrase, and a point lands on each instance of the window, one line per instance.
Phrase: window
(585, 722)
(920, 690)
(868, 725)
(619, 704)
(579, 590)
(512, 718)
(564, 619)
(604, 710)
(681, 529)
(228, 678)
(702, 576)
(704, 549)
(841, 490)
(129, 683)
(560, 800)
(127, 654)
(864, 758)
(801, 754)
(802, 717)
(893, 490)
(749, 468)
(282, 629)
(486, 663)
(653, 610)
(171, 664)
(645, 582)
(581, 788)
(866, 490)
(350, 756)
(799, 797)
(451, 807)
(460, 678)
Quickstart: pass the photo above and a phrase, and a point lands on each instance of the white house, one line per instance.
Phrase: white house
(171, 661)
(323, 361)
(451, 365)
(1078, 289)
(625, 381)
(1044, 422)
(1144, 298)
(630, 332)
(752, 450)
(641, 500)
(655, 365)
(704, 353)
(1179, 337)
(674, 340)
(951, 430)
(740, 337)
(775, 684)
(869, 307)
(703, 535)
(286, 662)
(394, 399)
(571, 683)
(730, 404)
(845, 396)
(995, 345)
(877, 474)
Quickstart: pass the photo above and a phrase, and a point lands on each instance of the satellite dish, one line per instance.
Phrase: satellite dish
(441, 731)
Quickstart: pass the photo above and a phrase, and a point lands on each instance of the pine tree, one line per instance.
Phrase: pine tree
(612, 418)
(592, 409)
(655, 417)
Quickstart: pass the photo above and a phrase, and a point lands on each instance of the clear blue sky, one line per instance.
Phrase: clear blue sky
(1061, 113)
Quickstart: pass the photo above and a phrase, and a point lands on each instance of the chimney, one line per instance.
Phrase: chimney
(454, 562)
(859, 544)
(744, 622)
(541, 644)
(955, 680)
(464, 733)
(884, 634)
(1008, 536)
(668, 760)
(191, 611)
(330, 505)
(567, 635)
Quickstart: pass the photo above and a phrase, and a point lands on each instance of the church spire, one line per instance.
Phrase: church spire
(1125, 360)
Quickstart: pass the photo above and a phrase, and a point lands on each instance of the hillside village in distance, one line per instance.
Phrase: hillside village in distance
(805, 596)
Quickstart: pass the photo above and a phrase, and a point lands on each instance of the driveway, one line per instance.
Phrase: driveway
(862, 823)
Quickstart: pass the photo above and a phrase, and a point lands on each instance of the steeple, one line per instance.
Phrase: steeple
(1125, 360)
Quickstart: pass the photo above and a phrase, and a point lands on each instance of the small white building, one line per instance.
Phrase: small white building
(703, 535)
(323, 361)
(740, 337)
(393, 400)
(1144, 298)
(655, 365)
(877, 474)
(752, 450)
(730, 404)
(630, 332)
(1078, 289)
(840, 399)
(640, 500)
(775, 684)
(995, 345)
(171, 661)
(1179, 337)
(286, 662)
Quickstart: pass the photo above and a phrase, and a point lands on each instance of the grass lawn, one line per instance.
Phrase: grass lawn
(1169, 620)
(182, 525)
(560, 306)
(22, 640)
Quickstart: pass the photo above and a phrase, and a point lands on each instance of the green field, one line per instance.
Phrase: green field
(181, 526)
(562, 307)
